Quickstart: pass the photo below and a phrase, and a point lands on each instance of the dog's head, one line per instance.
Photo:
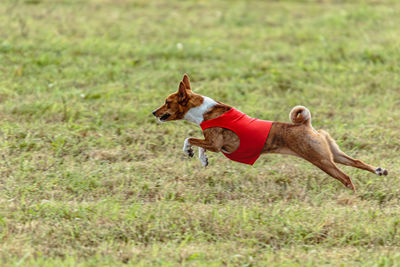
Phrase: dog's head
(177, 104)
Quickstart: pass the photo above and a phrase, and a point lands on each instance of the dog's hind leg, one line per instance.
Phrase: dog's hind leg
(313, 147)
(340, 157)
(330, 168)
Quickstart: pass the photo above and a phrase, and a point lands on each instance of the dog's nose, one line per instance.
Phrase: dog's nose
(154, 113)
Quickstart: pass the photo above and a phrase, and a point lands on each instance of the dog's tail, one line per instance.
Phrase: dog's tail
(300, 114)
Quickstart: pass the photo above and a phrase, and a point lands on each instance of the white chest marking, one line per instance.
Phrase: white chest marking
(196, 114)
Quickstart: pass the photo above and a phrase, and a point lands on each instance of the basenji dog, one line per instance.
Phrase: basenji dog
(243, 139)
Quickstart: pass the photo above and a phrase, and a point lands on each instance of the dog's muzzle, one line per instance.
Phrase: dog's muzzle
(164, 117)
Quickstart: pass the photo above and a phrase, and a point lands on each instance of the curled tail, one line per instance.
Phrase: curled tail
(300, 114)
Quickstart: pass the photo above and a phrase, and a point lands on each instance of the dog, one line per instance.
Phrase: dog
(223, 128)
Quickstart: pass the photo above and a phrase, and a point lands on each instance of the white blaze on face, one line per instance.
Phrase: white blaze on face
(195, 114)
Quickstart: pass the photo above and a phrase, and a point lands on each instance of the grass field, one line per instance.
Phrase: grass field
(88, 178)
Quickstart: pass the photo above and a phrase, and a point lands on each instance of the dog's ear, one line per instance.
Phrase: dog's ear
(186, 81)
(182, 94)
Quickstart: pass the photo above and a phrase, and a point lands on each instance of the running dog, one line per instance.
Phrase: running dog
(243, 139)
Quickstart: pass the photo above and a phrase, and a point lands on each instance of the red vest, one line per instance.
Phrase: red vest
(252, 134)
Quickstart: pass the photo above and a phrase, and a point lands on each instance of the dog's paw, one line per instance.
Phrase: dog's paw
(189, 152)
(204, 161)
(381, 171)
(187, 148)
(203, 157)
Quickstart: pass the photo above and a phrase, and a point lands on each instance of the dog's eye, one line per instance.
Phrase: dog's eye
(167, 102)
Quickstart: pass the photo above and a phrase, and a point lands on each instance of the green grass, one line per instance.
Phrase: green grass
(89, 178)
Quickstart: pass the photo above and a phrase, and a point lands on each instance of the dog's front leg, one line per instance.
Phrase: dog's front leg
(187, 148)
(203, 157)
(212, 142)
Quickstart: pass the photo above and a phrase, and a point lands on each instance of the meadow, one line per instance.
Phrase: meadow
(89, 178)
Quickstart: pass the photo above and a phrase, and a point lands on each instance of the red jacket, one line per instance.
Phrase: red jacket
(252, 134)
